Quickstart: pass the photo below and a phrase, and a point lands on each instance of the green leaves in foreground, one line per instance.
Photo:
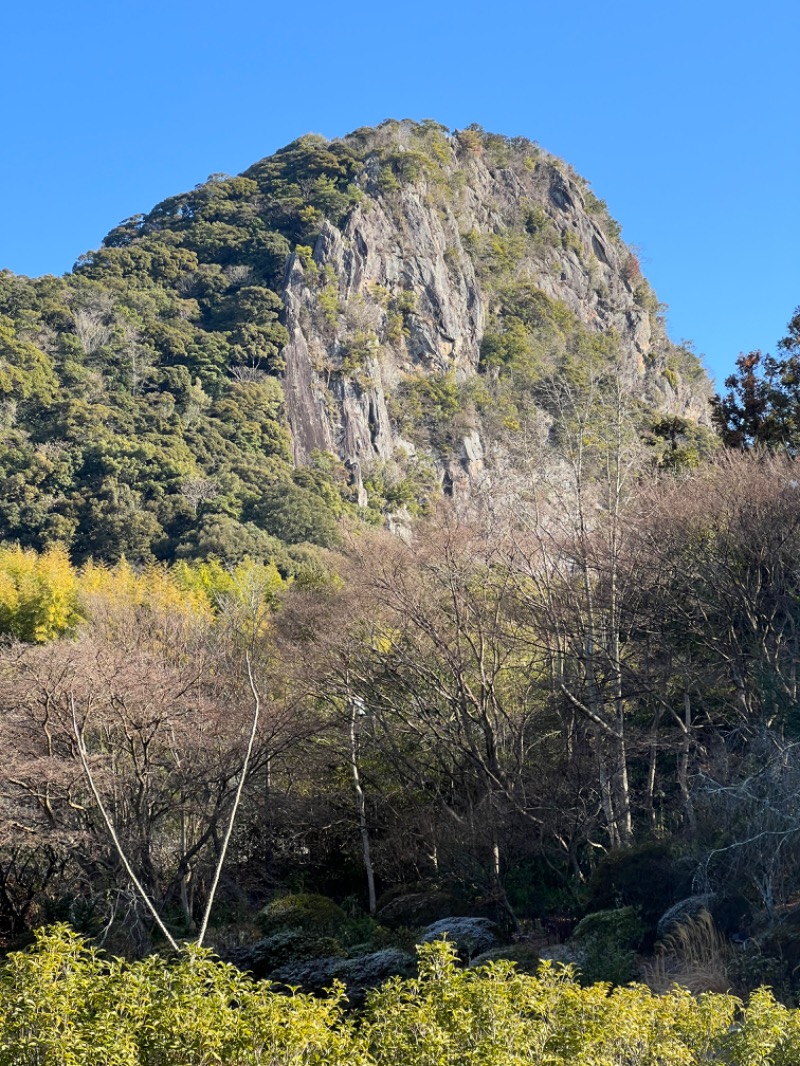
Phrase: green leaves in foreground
(62, 1003)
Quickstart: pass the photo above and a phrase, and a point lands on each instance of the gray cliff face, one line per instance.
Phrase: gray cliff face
(402, 291)
(401, 249)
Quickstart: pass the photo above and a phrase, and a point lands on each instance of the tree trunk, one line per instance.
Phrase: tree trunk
(356, 707)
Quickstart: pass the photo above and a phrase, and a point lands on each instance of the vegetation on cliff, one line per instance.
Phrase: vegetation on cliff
(143, 406)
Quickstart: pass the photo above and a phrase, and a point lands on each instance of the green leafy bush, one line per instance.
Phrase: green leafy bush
(495, 1015)
(303, 910)
(433, 409)
(63, 1004)
(609, 940)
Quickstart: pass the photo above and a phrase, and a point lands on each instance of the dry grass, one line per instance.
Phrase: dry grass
(695, 955)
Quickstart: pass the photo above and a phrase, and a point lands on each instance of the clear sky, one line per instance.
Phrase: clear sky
(683, 116)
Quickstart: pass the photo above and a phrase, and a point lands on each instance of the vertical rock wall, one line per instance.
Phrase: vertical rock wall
(405, 255)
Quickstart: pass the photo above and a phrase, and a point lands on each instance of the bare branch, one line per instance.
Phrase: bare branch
(237, 799)
(111, 831)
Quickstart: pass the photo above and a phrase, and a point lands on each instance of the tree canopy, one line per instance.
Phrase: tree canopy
(762, 404)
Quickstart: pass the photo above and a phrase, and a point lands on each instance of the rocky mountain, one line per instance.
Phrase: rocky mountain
(469, 237)
(348, 325)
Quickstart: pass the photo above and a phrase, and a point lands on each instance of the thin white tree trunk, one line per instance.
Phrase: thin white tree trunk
(361, 807)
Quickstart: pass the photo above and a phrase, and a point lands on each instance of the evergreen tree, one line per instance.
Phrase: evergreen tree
(762, 404)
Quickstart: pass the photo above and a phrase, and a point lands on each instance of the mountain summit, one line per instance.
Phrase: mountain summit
(354, 324)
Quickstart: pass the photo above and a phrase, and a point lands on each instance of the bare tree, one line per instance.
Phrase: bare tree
(136, 756)
(427, 648)
(576, 575)
(722, 549)
(752, 799)
(199, 489)
(94, 320)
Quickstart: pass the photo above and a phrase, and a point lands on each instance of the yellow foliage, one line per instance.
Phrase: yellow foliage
(157, 588)
(38, 594)
(210, 579)
(252, 596)
(42, 597)
(383, 639)
(62, 1001)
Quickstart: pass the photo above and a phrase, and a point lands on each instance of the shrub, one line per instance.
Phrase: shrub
(358, 350)
(303, 910)
(63, 1004)
(495, 1016)
(58, 1005)
(505, 349)
(609, 940)
(535, 219)
(644, 876)
(571, 242)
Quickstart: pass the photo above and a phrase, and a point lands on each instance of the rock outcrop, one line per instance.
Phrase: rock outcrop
(408, 284)
(359, 974)
(471, 936)
(685, 910)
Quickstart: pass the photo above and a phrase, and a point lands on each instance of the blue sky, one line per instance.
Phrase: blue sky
(683, 116)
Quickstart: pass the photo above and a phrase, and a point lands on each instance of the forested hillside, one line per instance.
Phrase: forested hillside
(371, 558)
(388, 310)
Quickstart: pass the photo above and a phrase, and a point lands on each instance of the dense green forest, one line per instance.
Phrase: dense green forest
(300, 711)
(142, 412)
